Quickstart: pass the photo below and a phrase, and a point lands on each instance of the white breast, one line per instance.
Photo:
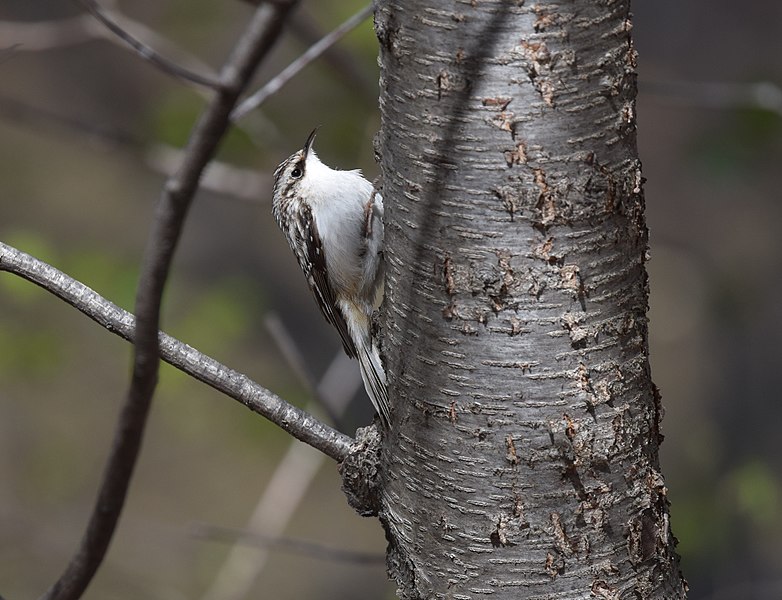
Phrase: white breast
(339, 200)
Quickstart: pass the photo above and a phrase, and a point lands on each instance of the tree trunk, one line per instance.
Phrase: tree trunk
(522, 461)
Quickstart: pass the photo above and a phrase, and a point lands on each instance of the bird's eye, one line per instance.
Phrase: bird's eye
(296, 173)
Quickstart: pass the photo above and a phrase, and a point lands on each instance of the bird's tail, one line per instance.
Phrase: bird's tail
(374, 376)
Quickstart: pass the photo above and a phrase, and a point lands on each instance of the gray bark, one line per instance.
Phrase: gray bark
(522, 461)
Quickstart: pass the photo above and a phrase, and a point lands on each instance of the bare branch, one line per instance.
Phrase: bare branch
(101, 25)
(294, 473)
(342, 61)
(261, 32)
(178, 354)
(273, 86)
(145, 51)
(283, 544)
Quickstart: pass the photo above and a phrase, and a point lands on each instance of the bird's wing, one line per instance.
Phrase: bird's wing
(313, 263)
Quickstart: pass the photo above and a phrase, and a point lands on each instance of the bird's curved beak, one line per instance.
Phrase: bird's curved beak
(310, 140)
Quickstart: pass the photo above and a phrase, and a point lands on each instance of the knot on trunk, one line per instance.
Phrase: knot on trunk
(360, 472)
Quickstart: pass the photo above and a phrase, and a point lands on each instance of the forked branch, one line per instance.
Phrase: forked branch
(261, 32)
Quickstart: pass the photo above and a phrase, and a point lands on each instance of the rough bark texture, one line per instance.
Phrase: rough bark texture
(522, 460)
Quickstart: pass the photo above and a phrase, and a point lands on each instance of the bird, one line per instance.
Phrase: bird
(333, 221)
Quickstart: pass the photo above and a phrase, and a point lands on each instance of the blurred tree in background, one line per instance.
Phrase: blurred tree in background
(85, 129)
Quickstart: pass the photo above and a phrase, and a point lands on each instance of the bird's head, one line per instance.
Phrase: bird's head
(292, 171)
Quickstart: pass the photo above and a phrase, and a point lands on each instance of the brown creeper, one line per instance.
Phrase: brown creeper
(334, 224)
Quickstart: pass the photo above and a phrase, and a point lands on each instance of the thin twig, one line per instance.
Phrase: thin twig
(261, 32)
(283, 544)
(145, 51)
(273, 86)
(178, 354)
(342, 61)
(40, 36)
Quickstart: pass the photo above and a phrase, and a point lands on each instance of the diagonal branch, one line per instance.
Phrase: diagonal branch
(101, 24)
(273, 86)
(178, 354)
(342, 62)
(258, 37)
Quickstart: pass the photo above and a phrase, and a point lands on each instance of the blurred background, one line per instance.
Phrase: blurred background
(88, 132)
